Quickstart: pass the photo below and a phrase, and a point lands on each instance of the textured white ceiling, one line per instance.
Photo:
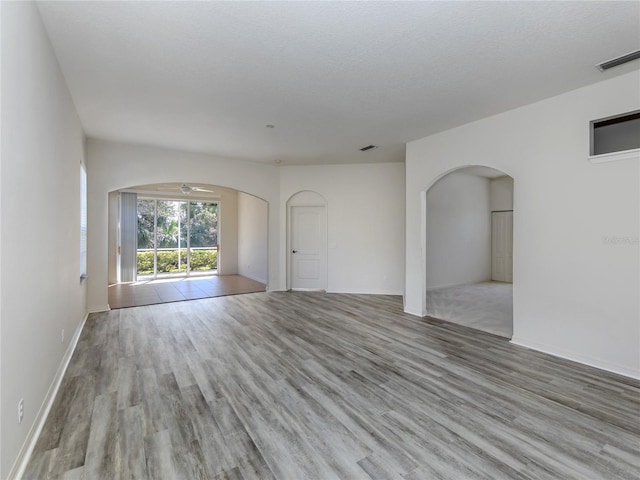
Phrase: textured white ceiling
(331, 76)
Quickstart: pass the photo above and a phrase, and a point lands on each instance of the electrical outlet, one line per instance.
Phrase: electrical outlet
(20, 410)
(62, 336)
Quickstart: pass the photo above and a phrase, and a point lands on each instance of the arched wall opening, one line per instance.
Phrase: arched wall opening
(468, 249)
(115, 166)
(185, 231)
(307, 266)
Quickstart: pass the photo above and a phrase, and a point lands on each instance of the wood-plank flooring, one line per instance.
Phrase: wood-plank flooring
(320, 386)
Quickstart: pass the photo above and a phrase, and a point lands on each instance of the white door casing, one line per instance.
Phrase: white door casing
(308, 248)
(502, 246)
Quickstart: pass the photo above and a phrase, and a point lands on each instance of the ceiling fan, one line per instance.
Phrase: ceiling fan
(185, 189)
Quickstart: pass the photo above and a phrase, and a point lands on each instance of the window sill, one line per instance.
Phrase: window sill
(615, 156)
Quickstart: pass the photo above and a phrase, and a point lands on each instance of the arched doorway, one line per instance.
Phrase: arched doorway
(468, 261)
(307, 241)
(178, 241)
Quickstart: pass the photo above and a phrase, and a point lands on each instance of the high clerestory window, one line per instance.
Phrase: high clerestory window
(612, 135)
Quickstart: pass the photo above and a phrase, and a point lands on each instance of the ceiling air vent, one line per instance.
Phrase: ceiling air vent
(629, 57)
(367, 148)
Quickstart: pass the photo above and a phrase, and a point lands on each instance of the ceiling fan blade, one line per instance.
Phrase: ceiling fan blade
(198, 189)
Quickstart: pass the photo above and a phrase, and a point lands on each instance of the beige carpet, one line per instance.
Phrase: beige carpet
(486, 306)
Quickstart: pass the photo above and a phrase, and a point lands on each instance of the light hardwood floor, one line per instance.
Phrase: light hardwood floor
(319, 386)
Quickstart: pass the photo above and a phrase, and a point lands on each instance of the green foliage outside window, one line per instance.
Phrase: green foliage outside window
(201, 260)
(174, 225)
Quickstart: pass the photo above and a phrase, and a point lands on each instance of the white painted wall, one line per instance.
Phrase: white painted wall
(458, 231)
(501, 194)
(252, 237)
(42, 148)
(576, 287)
(113, 166)
(365, 213)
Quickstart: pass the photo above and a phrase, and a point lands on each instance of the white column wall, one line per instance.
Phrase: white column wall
(252, 237)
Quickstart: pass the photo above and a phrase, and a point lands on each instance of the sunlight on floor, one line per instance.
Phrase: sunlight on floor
(176, 289)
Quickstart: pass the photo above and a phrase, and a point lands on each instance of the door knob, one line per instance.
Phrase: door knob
(294, 251)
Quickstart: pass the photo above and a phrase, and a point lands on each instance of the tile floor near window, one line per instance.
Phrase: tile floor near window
(166, 290)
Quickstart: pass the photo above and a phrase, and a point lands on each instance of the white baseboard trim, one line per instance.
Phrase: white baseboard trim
(253, 277)
(369, 292)
(19, 466)
(415, 313)
(99, 308)
(580, 358)
(463, 284)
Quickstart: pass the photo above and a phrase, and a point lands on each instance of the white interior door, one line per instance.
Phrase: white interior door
(308, 251)
(502, 246)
